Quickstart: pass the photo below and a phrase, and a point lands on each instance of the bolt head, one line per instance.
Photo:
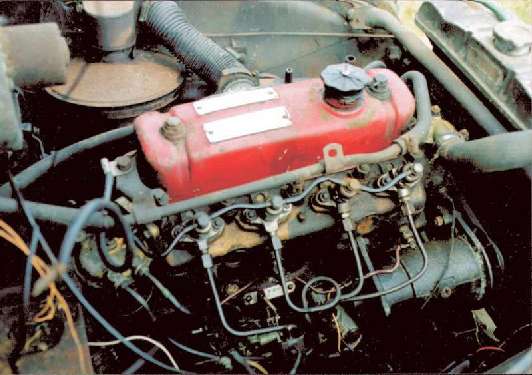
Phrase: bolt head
(123, 163)
(173, 121)
(202, 219)
(418, 168)
(277, 202)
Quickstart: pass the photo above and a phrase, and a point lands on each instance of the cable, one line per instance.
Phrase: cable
(194, 351)
(413, 279)
(360, 271)
(81, 298)
(177, 239)
(243, 361)
(103, 249)
(388, 186)
(258, 366)
(167, 294)
(282, 276)
(71, 235)
(448, 260)
(139, 362)
(33, 245)
(308, 285)
(223, 319)
(387, 270)
(293, 371)
(138, 338)
(109, 327)
(140, 300)
(42, 268)
(338, 333)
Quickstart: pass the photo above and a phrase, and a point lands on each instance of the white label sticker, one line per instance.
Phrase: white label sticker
(234, 99)
(247, 124)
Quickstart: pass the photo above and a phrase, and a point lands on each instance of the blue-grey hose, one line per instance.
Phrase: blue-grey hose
(34, 171)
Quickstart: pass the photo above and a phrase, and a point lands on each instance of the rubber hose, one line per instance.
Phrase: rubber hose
(55, 214)
(499, 152)
(420, 131)
(198, 52)
(34, 171)
(375, 17)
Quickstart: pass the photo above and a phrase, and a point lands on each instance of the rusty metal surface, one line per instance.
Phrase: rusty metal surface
(465, 32)
(148, 77)
(62, 359)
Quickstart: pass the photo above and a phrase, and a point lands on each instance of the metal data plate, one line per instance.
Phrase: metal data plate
(234, 99)
(247, 124)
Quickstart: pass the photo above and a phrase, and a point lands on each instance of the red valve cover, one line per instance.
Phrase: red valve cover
(286, 130)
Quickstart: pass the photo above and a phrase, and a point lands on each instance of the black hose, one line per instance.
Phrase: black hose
(420, 131)
(71, 235)
(34, 171)
(499, 152)
(375, 17)
(198, 52)
(102, 252)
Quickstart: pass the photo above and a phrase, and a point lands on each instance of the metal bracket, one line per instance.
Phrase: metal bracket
(333, 157)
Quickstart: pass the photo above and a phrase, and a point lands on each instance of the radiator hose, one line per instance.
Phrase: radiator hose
(203, 56)
(495, 153)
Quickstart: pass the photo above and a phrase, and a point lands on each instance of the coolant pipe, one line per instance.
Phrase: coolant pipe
(499, 152)
(201, 54)
(378, 18)
(419, 133)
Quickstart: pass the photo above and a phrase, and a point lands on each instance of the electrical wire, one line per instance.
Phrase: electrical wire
(10, 235)
(71, 235)
(196, 352)
(33, 245)
(490, 348)
(49, 282)
(360, 271)
(103, 250)
(178, 238)
(293, 370)
(48, 277)
(390, 269)
(412, 280)
(338, 333)
(258, 366)
(240, 290)
(242, 360)
(448, 260)
(221, 314)
(167, 294)
(284, 284)
(102, 344)
(388, 186)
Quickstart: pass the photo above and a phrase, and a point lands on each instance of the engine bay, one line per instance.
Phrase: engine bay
(259, 187)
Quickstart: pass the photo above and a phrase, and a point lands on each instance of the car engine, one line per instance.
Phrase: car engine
(264, 187)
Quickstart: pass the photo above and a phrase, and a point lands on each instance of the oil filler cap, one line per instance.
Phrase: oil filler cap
(344, 85)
